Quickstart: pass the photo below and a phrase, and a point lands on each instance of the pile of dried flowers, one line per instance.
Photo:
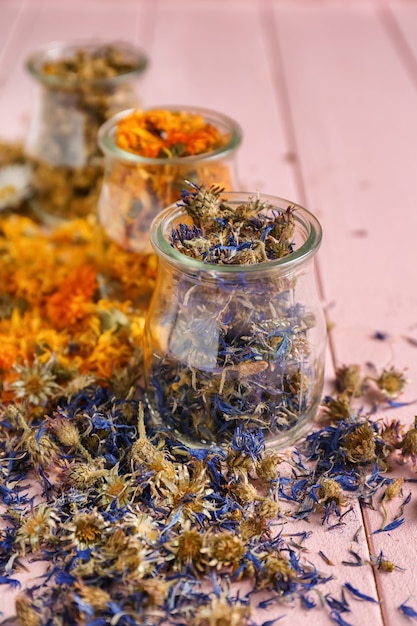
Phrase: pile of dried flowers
(134, 528)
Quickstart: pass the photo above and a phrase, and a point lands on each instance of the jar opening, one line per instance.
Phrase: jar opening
(226, 125)
(63, 65)
(306, 240)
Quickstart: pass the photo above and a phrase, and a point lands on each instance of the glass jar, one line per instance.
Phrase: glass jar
(228, 346)
(136, 188)
(80, 87)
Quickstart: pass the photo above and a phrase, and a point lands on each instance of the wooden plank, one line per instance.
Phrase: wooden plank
(9, 16)
(353, 113)
(217, 59)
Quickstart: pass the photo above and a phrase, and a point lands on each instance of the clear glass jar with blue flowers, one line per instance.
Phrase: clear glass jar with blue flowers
(235, 333)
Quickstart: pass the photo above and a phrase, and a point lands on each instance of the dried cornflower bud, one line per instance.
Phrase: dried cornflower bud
(277, 572)
(391, 433)
(221, 612)
(360, 444)
(408, 445)
(225, 550)
(391, 382)
(26, 612)
(348, 379)
(338, 409)
(64, 430)
(392, 491)
(267, 466)
(36, 528)
(330, 492)
(94, 596)
(84, 475)
(187, 550)
(253, 526)
(267, 508)
(41, 449)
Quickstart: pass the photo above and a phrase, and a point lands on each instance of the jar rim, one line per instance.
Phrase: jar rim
(108, 146)
(57, 49)
(303, 217)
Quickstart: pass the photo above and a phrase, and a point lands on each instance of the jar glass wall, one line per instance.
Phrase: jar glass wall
(230, 346)
(79, 88)
(136, 188)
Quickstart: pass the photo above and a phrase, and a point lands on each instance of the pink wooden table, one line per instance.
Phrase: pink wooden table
(326, 93)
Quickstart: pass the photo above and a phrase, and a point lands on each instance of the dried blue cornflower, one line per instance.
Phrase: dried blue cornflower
(358, 594)
(408, 610)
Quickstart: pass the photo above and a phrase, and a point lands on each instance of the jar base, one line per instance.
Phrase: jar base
(282, 439)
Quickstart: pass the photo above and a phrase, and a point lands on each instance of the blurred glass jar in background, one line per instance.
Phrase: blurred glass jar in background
(148, 157)
(80, 87)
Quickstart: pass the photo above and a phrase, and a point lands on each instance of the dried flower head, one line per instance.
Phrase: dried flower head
(86, 530)
(225, 550)
(187, 550)
(391, 382)
(277, 573)
(27, 613)
(14, 185)
(84, 475)
(95, 597)
(330, 492)
(348, 379)
(36, 382)
(339, 408)
(36, 528)
(267, 466)
(190, 490)
(360, 444)
(408, 445)
(221, 612)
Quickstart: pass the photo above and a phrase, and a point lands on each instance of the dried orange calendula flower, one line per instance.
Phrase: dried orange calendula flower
(161, 133)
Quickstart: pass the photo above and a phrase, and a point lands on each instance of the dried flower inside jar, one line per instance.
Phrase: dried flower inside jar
(81, 86)
(235, 333)
(149, 156)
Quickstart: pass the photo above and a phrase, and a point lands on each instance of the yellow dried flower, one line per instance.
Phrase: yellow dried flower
(330, 491)
(94, 596)
(408, 445)
(187, 549)
(348, 379)
(220, 612)
(267, 466)
(36, 382)
(276, 570)
(36, 528)
(26, 613)
(86, 529)
(360, 444)
(391, 382)
(339, 408)
(225, 550)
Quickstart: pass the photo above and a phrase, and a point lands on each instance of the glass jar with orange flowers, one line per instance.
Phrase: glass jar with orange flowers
(80, 87)
(149, 155)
